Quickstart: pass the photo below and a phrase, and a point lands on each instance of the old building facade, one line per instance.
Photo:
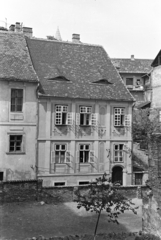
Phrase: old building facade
(18, 109)
(84, 109)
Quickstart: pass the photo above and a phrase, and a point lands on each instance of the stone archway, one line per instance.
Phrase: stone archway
(117, 175)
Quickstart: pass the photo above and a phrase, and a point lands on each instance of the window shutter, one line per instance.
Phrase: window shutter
(53, 157)
(69, 118)
(68, 157)
(127, 121)
(91, 156)
(93, 119)
(77, 118)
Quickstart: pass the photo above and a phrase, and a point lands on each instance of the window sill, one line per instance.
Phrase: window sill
(119, 126)
(15, 153)
(85, 125)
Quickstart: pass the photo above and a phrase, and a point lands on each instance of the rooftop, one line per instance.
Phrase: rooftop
(132, 65)
(15, 61)
(76, 70)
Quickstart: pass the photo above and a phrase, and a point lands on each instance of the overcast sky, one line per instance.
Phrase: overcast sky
(122, 27)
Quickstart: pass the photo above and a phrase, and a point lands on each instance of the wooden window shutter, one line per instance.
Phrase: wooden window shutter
(93, 119)
(77, 118)
(91, 156)
(68, 157)
(127, 120)
(69, 118)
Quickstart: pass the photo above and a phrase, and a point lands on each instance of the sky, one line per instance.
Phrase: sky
(122, 27)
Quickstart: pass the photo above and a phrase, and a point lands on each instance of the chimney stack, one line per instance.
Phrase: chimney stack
(132, 57)
(12, 28)
(18, 27)
(76, 38)
(27, 31)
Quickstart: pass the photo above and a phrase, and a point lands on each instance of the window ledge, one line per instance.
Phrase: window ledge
(15, 153)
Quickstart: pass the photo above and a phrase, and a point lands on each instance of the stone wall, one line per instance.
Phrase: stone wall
(32, 190)
(152, 197)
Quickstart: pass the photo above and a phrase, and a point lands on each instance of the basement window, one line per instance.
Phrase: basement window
(83, 182)
(1, 176)
(57, 184)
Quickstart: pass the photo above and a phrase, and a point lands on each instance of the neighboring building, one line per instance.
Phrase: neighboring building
(84, 109)
(136, 76)
(156, 82)
(18, 109)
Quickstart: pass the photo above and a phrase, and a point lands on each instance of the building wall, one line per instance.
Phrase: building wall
(18, 165)
(156, 87)
(101, 138)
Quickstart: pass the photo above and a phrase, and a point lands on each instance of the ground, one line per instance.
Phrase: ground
(24, 220)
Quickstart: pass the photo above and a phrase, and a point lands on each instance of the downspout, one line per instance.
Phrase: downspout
(37, 124)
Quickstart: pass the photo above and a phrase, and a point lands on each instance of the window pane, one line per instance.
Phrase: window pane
(87, 119)
(56, 157)
(62, 157)
(86, 153)
(64, 117)
(20, 93)
(81, 119)
(86, 146)
(57, 147)
(129, 81)
(63, 147)
(81, 156)
(81, 146)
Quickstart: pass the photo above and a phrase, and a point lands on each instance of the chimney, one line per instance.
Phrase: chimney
(76, 38)
(17, 27)
(27, 31)
(12, 28)
(132, 58)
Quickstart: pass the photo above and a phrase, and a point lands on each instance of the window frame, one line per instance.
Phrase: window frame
(118, 156)
(59, 115)
(84, 150)
(118, 117)
(60, 150)
(22, 151)
(136, 179)
(16, 100)
(85, 115)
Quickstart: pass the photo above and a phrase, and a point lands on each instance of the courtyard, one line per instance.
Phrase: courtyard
(25, 220)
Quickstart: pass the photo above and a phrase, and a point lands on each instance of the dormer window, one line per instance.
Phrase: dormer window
(103, 81)
(59, 78)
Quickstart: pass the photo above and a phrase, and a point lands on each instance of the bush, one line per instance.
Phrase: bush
(147, 237)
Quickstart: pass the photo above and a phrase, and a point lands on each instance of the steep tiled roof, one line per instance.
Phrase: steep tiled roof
(15, 61)
(132, 66)
(81, 65)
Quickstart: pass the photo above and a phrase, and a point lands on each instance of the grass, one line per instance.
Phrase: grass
(24, 220)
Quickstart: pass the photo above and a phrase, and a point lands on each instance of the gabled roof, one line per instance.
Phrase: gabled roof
(15, 62)
(132, 66)
(155, 61)
(82, 65)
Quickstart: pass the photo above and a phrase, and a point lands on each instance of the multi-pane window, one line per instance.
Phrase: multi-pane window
(119, 116)
(16, 100)
(60, 153)
(15, 143)
(118, 152)
(84, 153)
(138, 178)
(85, 115)
(61, 115)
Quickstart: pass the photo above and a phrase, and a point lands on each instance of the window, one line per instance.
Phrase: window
(1, 176)
(83, 182)
(57, 184)
(84, 153)
(159, 116)
(118, 152)
(85, 115)
(119, 116)
(60, 152)
(138, 178)
(16, 100)
(62, 116)
(15, 143)
(129, 81)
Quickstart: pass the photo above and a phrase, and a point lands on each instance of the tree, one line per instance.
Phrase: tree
(101, 195)
(145, 124)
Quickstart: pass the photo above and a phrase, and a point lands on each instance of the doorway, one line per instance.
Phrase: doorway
(117, 175)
